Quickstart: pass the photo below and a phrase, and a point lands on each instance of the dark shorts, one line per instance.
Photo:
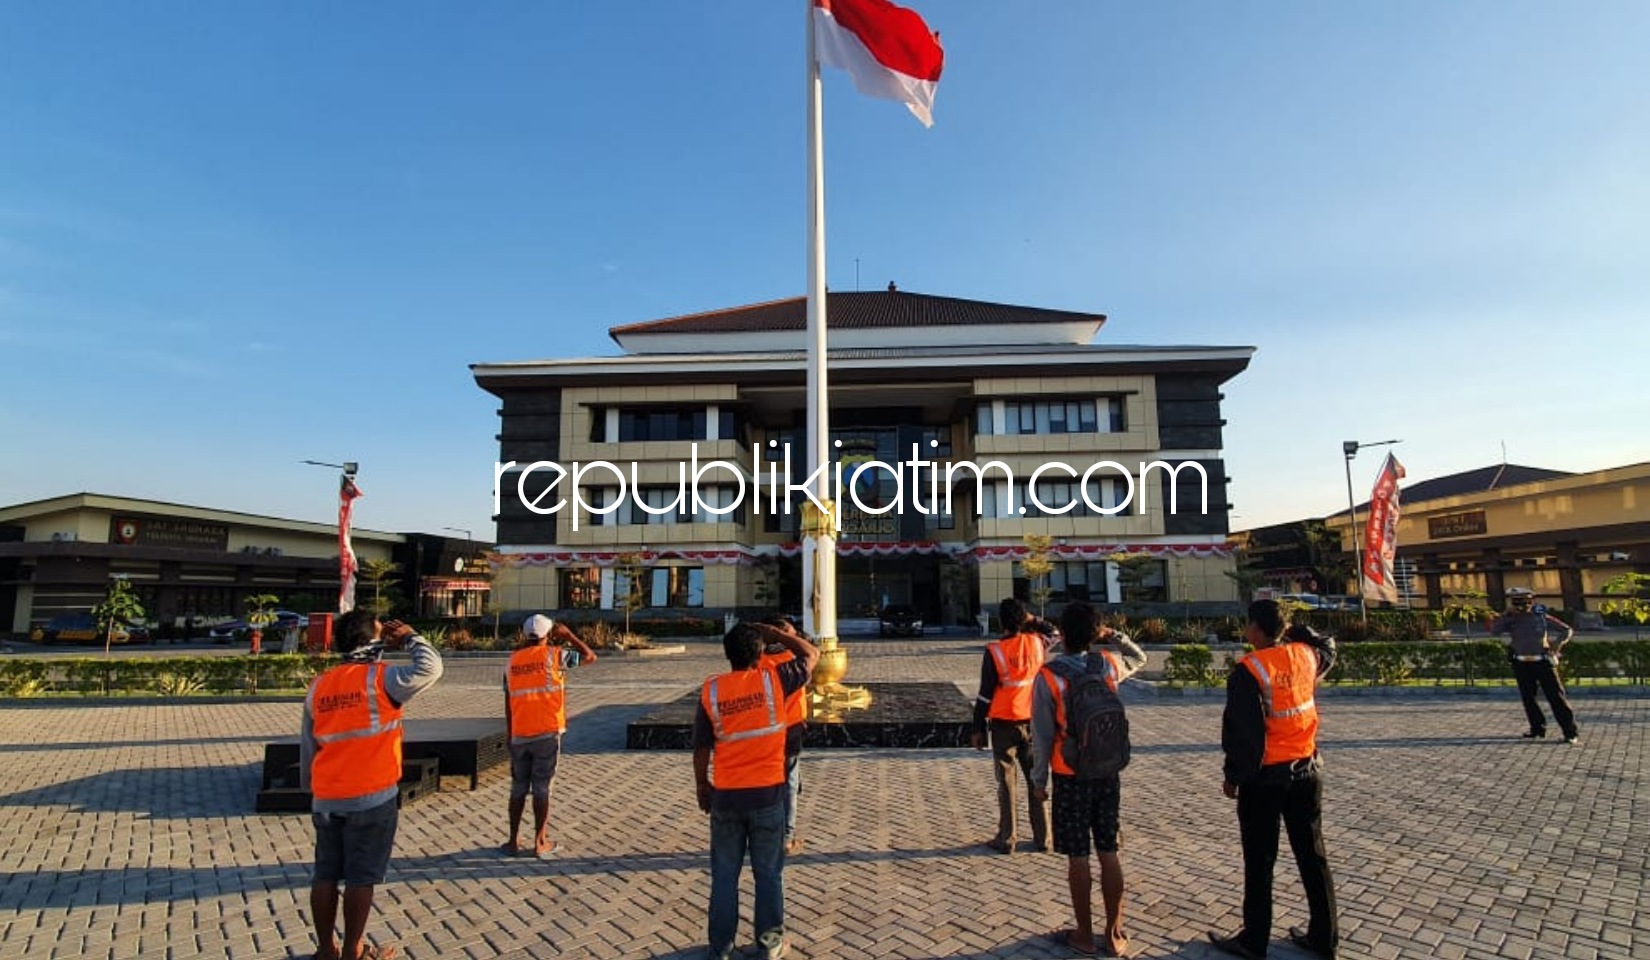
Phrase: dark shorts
(533, 765)
(1085, 808)
(355, 847)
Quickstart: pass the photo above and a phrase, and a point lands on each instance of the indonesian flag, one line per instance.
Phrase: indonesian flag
(1381, 534)
(347, 492)
(888, 51)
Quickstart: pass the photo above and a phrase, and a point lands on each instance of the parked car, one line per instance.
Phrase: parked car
(232, 630)
(899, 620)
(82, 628)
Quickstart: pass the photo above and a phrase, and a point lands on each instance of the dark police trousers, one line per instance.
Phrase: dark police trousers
(1297, 797)
(1533, 673)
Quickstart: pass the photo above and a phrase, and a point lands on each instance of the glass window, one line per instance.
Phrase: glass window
(982, 419)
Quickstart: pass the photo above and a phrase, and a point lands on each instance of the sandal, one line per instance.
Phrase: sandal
(370, 952)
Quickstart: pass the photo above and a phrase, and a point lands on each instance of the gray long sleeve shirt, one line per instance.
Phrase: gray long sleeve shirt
(1043, 725)
(401, 684)
(1527, 632)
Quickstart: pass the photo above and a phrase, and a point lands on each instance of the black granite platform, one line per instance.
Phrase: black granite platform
(902, 715)
(461, 747)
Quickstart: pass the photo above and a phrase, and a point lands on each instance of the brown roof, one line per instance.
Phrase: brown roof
(858, 311)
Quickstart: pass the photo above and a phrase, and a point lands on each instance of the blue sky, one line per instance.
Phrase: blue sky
(236, 236)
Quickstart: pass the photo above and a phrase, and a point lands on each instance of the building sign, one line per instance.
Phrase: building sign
(1457, 525)
(151, 532)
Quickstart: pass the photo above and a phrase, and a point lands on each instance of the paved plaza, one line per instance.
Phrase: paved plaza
(129, 833)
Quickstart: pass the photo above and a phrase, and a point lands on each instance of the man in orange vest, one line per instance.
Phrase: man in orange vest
(350, 762)
(1083, 809)
(1270, 736)
(739, 772)
(535, 711)
(1004, 707)
(796, 726)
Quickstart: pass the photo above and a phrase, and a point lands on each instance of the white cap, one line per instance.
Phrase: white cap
(1520, 592)
(538, 625)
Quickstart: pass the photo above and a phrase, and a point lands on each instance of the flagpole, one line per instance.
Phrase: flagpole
(819, 546)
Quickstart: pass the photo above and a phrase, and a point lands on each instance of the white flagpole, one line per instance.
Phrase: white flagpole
(819, 549)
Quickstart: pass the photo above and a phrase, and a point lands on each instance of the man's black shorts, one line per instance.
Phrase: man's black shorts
(355, 847)
(1085, 808)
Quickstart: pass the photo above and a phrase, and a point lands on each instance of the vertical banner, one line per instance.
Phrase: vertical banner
(347, 492)
(1381, 534)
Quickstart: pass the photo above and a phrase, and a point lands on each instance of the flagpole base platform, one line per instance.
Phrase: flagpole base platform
(908, 716)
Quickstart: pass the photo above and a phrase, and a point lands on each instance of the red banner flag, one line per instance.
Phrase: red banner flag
(1381, 534)
(347, 493)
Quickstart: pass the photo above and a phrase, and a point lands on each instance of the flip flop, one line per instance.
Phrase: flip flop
(511, 849)
(370, 952)
(546, 850)
(1063, 938)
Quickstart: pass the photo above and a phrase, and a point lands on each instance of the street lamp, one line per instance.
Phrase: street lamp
(463, 568)
(350, 467)
(1349, 449)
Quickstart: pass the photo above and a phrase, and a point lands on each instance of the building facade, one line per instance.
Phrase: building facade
(1563, 535)
(942, 412)
(57, 557)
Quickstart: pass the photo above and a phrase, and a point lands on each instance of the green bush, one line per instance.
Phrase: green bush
(159, 676)
(1191, 664)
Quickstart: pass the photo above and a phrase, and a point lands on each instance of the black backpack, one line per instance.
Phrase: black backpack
(1097, 728)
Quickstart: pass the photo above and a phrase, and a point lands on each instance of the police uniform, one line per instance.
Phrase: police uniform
(1535, 664)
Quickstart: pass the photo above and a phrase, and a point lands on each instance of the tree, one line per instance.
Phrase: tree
(1467, 607)
(1037, 564)
(629, 566)
(1133, 572)
(1329, 557)
(260, 612)
(380, 575)
(120, 606)
(1631, 587)
(1246, 576)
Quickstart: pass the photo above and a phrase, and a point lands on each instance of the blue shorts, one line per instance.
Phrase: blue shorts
(355, 847)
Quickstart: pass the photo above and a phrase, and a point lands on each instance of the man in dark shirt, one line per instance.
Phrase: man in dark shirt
(1272, 769)
(739, 727)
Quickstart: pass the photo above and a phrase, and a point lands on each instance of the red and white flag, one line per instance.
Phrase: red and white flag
(347, 493)
(1381, 534)
(887, 49)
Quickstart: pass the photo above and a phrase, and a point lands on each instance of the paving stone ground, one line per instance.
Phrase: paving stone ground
(129, 832)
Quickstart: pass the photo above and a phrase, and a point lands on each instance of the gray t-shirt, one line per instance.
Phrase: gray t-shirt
(401, 684)
(1528, 634)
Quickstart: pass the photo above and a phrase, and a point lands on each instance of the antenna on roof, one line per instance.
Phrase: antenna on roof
(892, 288)
(1503, 453)
(856, 274)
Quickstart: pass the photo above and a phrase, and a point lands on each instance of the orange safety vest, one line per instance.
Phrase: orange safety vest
(358, 731)
(1288, 675)
(537, 692)
(744, 709)
(796, 705)
(1057, 686)
(1017, 658)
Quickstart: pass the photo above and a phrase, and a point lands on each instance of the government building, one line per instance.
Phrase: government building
(949, 398)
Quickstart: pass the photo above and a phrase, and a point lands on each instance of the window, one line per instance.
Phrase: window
(630, 513)
(1055, 416)
(1070, 580)
(581, 588)
(1105, 492)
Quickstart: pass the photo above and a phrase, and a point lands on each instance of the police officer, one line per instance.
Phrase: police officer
(1535, 661)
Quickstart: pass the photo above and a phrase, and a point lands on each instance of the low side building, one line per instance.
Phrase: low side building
(1561, 535)
(57, 557)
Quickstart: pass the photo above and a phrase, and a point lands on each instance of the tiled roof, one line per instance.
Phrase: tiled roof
(859, 311)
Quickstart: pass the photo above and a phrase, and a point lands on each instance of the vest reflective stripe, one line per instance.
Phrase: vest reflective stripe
(538, 702)
(796, 705)
(1057, 686)
(1018, 659)
(750, 738)
(1530, 658)
(358, 730)
(1287, 675)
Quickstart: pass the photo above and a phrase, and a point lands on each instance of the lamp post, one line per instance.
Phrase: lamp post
(463, 569)
(1349, 449)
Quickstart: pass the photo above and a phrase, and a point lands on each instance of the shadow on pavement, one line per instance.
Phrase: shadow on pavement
(161, 793)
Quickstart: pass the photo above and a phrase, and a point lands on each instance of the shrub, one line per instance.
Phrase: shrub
(1191, 664)
(1189, 631)
(1152, 630)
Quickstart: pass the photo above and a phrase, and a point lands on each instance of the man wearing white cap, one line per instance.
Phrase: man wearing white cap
(535, 710)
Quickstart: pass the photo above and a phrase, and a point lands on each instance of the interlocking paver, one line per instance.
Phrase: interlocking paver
(130, 834)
